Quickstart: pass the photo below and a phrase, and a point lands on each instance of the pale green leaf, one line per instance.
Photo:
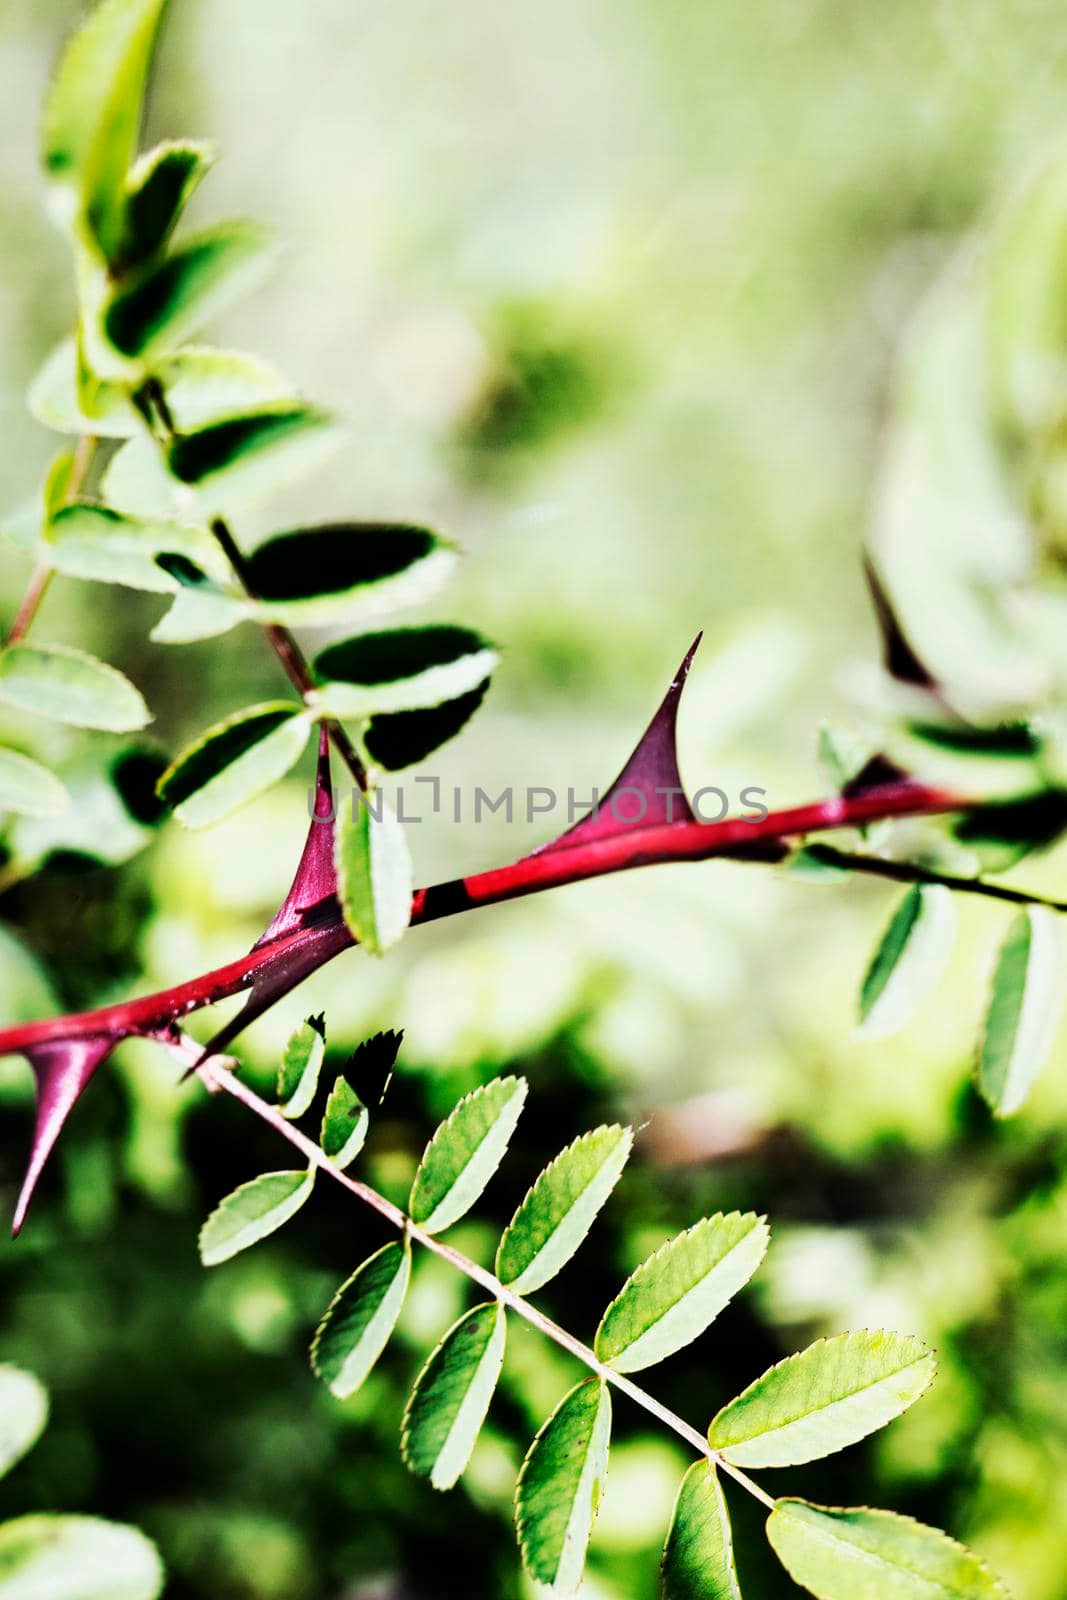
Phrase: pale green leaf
(344, 1124)
(76, 1558)
(674, 1296)
(698, 1558)
(103, 546)
(823, 1398)
(1024, 1008)
(374, 875)
(29, 788)
(561, 1207)
(234, 761)
(92, 114)
(201, 385)
(464, 1153)
(69, 686)
(874, 1555)
(360, 1319)
(346, 569)
(200, 611)
(298, 1074)
(451, 1396)
(910, 957)
(842, 755)
(403, 669)
(560, 1485)
(252, 1212)
(111, 815)
(251, 455)
(158, 308)
(23, 1414)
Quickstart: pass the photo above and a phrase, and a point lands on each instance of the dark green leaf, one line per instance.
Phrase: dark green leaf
(234, 761)
(361, 1317)
(157, 191)
(400, 738)
(315, 574)
(560, 1485)
(910, 957)
(698, 1558)
(1024, 1008)
(451, 1396)
(403, 669)
(561, 1207)
(298, 1073)
(464, 1153)
(344, 1124)
(252, 1212)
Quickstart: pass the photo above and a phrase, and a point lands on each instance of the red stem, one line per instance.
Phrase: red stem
(327, 936)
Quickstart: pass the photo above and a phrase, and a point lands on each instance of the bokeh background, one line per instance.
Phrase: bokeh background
(611, 293)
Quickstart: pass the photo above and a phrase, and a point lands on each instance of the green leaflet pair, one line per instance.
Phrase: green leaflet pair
(816, 1402)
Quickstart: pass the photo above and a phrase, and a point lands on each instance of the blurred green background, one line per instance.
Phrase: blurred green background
(612, 294)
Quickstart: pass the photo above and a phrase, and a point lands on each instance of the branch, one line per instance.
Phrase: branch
(215, 1076)
(913, 872)
(324, 935)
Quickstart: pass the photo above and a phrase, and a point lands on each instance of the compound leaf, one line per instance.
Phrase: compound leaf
(561, 1207)
(464, 1153)
(69, 686)
(560, 1485)
(698, 1557)
(823, 1398)
(298, 1073)
(252, 1212)
(234, 761)
(908, 961)
(360, 1319)
(874, 1555)
(449, 1402)
(1024, 1007)
(678, 1292)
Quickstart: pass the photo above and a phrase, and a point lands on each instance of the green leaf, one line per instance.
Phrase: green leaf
(92, 114)
(374, 878)
(29, 788)
(560, 1485)
(822, 1399)
(344, 1124)
(1024, 1008)
(360, 1319)
(159, 307)
(76, 1558)
(251, 455)
(157, 191)
(111, 815)
(23, 1414)
(674, 1296)
(234, 761)
(874, 1555)
(298, 1074)
(69, 686)
(200, 611)
(698, 1558)
(400, 738)
(92, 542)
(201, 385)
(403, 669)
(464, 1153)
(252, 1212)
(561, 1207)
(908, 961)
(313, 575)
(451, 1396)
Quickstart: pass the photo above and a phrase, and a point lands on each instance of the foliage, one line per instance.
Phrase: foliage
(813, 1404)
